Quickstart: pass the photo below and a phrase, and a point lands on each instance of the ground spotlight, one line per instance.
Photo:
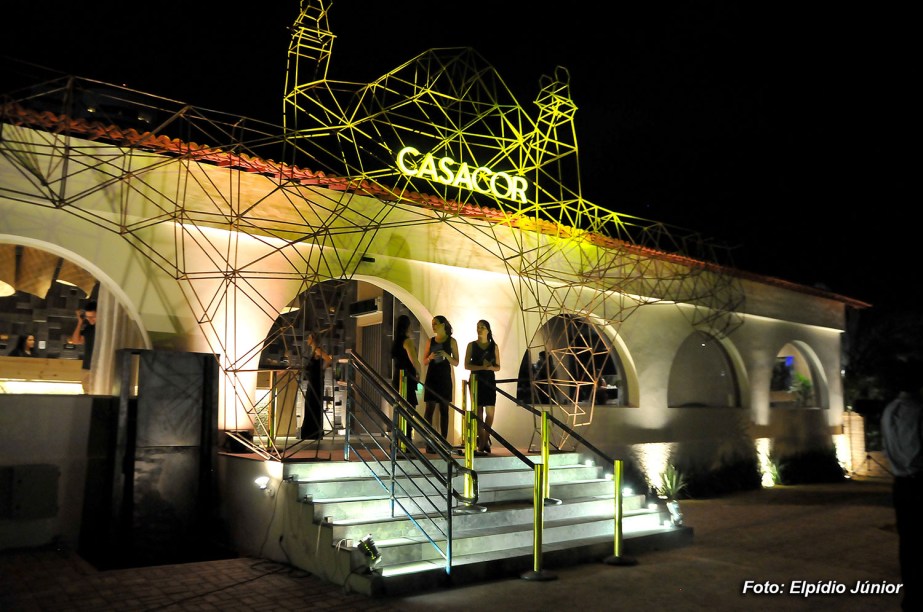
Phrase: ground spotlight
(370, 551)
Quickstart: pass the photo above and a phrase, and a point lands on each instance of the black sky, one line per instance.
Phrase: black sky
(772, 127)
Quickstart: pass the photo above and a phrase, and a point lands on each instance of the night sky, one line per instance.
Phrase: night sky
(775, 128)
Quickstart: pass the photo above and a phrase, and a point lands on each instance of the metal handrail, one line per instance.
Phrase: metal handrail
(567, 429)
(401, 479)
(543, 482)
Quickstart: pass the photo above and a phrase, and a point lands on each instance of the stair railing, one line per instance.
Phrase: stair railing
(547, 419)
(425, 491)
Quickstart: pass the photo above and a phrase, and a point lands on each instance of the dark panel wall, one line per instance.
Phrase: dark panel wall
(161, 495)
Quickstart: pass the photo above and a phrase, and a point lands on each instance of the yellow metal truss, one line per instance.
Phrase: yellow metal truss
(565, 256)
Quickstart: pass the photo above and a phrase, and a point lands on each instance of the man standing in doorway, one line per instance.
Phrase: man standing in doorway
(85, 334)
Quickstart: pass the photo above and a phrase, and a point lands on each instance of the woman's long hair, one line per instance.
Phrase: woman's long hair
(445, 322)
(21, 343)
(490, 336)
(401, 331)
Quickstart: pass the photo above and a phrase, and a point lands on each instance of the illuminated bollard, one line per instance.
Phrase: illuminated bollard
(617, 558)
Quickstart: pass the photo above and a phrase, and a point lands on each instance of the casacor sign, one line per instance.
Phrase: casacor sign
(447, 171)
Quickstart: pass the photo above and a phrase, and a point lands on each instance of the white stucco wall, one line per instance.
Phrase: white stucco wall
(197, 286)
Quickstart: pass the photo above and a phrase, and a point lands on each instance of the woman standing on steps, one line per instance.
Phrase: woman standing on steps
(441, 356)
(404, 356)
(483, 360)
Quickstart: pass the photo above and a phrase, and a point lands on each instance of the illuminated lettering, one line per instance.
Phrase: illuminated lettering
(447, 171)
(428, 168)
(463, 177)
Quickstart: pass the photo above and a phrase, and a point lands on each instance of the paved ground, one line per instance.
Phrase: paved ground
(786, 538)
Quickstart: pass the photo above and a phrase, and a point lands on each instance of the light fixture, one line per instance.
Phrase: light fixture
(676, 515)
(262, 482)
(369, 550)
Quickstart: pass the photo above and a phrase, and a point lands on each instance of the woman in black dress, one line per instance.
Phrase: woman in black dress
(404, 358)
(316, 360)
(441, 356)
(483, 360)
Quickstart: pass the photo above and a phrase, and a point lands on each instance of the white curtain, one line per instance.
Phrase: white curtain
(114, 330)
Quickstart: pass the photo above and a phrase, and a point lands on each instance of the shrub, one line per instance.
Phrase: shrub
(672, 483)
(742, 474)
(808, 467)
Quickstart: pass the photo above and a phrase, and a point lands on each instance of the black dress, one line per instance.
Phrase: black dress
(312, 425)
(439, 374)
(486, 379)
(403, 364)
(89, 343)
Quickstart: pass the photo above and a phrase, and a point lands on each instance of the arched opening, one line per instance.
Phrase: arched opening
(43, 291)
(572, 365)
(702, 375)
(796, 380)
(341, 314)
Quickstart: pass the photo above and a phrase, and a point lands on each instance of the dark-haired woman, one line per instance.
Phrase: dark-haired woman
(441, 356)
(483, 360)
(25, 347)
(404, 358)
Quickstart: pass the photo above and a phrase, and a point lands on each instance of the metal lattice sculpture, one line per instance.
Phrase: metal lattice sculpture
(376, 153)
(459, 106)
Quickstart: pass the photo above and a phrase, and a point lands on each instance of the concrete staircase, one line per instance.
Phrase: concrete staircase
(495, 538)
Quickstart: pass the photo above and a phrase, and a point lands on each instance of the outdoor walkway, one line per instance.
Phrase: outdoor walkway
(786, 539)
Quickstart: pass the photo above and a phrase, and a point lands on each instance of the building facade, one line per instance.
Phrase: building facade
(199, 242)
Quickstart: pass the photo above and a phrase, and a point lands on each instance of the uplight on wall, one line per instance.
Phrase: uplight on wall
(263, 483)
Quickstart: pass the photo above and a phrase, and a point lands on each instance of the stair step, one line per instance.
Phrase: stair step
(345, 502)
(495, 538)
(334, 469)
(376, 501)
(496, 515)
(417, 577)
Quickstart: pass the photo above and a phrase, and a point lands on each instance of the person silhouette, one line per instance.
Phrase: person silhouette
(24, 346)
(482, 359)
(441, 356)
(316, 361)
(902, 434)
(85, 333)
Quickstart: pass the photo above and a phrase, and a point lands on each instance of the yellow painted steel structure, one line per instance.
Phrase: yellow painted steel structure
(474, 162)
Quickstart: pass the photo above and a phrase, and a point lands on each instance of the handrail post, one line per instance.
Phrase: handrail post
(469, 425)
(546, 462)
(538, 505)
(402, 423)
(617, 558)
(469, 433)
(349, 376)
(469, 405)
